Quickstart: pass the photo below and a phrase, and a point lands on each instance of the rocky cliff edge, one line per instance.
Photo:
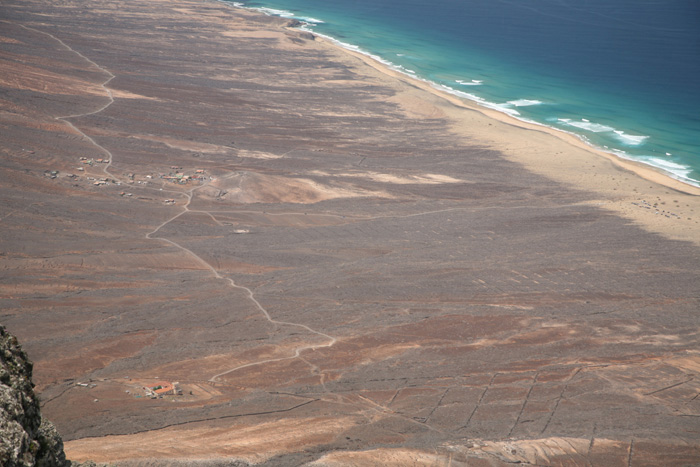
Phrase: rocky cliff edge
(26, 439)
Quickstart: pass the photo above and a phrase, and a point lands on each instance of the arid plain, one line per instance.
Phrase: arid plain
(337, 266)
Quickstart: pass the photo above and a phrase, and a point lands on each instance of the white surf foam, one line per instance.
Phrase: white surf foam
(679, 170)
(505, 108)
(281, 13)
(524, 102)
(309, 19)
(474, 82)
(668, 164)
(630, 140)
(587, 125)
(275, 12)
(674, 170)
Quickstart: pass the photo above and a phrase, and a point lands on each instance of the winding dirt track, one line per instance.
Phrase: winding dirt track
(188, 196)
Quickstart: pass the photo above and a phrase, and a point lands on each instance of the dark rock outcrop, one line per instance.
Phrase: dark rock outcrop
(26, 439)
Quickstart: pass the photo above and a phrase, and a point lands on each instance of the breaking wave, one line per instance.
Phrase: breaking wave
(474, 82)
(524, 102)
(630, 140)
(281, 13)
(586, 125)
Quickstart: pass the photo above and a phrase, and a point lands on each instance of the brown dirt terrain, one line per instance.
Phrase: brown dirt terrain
(336, 266)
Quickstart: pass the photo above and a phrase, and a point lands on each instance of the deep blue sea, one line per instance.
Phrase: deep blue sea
(624, 75)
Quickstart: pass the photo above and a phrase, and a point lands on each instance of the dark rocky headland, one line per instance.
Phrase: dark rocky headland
(26, 438)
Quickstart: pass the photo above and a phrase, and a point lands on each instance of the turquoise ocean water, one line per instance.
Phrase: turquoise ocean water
(624, 75)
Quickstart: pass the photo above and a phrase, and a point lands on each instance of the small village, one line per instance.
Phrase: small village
(180, 177)
(175, 175)
(139, 389)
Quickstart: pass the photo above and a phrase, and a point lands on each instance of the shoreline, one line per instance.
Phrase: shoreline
(575, 170)
(646, 170)
(537, 147)
(515, 137)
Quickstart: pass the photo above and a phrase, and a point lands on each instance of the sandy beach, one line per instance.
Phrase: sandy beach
(622, 184)
(323, 261)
